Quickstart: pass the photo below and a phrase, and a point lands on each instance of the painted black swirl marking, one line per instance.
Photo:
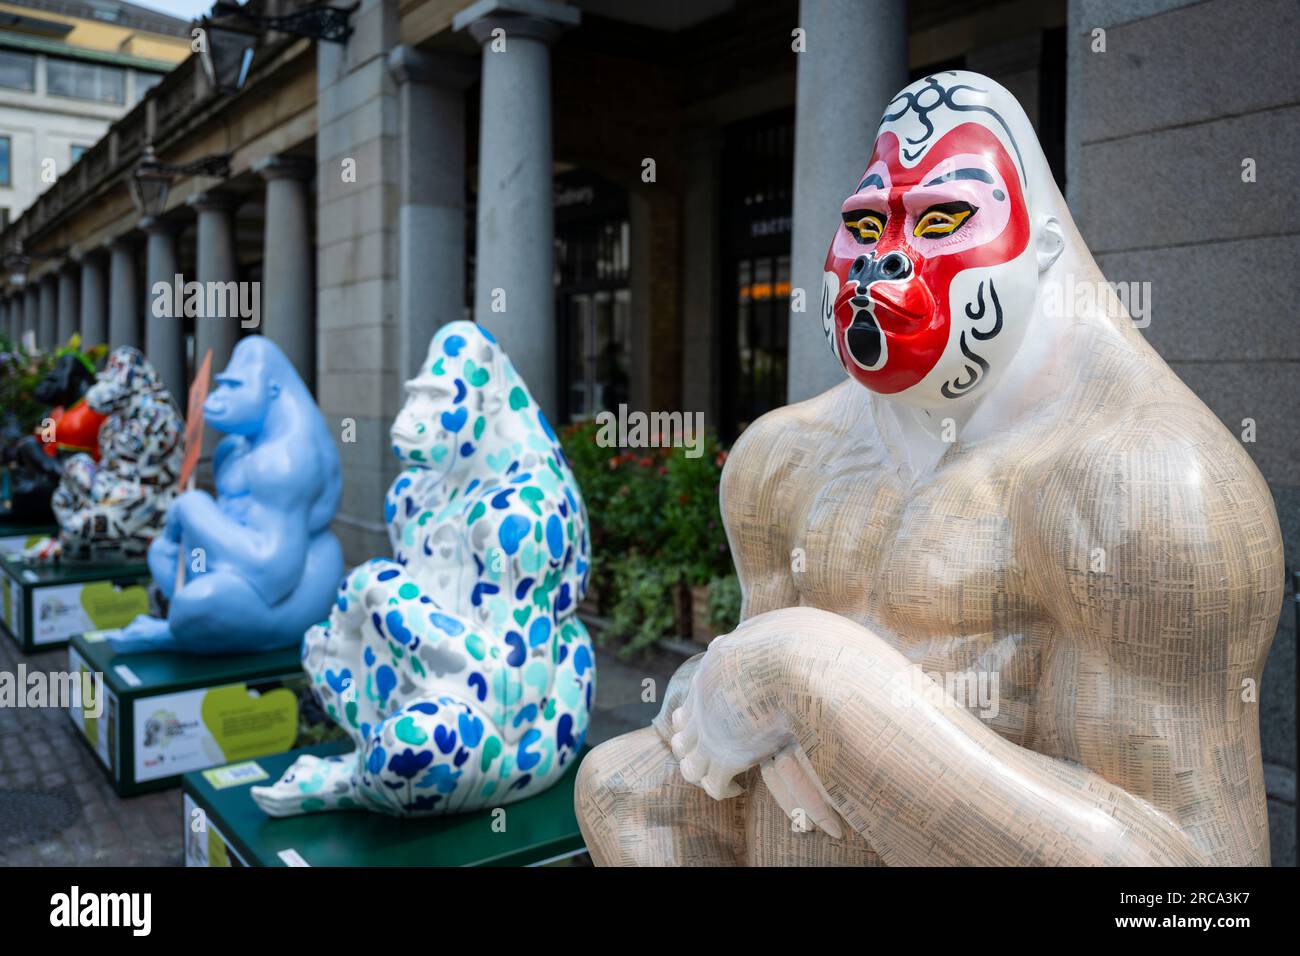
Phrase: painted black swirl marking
(975, 316)
(958, 387)
(943, 97)
(974, 373)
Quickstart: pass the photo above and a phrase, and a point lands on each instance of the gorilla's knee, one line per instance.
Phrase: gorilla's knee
(593, 776)
(605, 783)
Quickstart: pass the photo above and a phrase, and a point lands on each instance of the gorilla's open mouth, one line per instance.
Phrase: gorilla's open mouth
(863, 338)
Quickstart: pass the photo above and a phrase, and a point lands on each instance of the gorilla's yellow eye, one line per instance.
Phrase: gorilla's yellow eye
(864, 225)
(943, 220)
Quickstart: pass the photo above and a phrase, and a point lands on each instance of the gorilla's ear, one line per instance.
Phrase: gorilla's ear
(1051, 243)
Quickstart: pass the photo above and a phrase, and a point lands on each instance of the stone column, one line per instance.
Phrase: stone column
(69, 313)
(431, 118)
(164, 334)
(358, 283)
(216, 263)
(94, 301)
(47, 329)
(123, 296)
(514, 287)
(830, 152)
(288, 316)
(31, 308)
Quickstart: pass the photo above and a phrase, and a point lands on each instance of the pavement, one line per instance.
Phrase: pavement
(57, 807)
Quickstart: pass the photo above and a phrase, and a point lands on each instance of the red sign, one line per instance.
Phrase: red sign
(194, 420)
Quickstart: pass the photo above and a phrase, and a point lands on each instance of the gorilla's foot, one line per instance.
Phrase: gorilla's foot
(143, 635)
(311, 784)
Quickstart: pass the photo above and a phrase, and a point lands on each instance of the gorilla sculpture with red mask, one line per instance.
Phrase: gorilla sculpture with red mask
(1008, 589)
(34, 462)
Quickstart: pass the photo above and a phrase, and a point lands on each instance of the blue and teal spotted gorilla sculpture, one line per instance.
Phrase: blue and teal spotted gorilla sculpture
(459, 667)
(260, 562)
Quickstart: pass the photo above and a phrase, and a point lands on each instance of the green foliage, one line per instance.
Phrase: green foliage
(724, 604)
(20, 372)
(695, 538)
(643, 609)
(655, 526)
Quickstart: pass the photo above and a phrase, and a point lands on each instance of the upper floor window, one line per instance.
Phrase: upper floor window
(17, 71)
(78, 151)
(86, 81)
(5, 150)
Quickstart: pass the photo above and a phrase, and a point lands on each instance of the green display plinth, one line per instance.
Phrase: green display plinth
(43, 606)
(224, 827)
(162, 715)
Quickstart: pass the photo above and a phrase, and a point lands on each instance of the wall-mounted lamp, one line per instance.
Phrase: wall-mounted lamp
(228, 53)
(151, 180)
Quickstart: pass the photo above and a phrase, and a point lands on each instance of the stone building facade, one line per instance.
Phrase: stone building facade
(642, 186)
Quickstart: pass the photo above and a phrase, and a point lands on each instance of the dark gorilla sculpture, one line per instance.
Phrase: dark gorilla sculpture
(35, 466)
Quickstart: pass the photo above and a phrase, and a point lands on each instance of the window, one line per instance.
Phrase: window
(17, 71)
(144, 82)
(6, 149)
(755, 251)
(78, 151)
(4, 218)
(593, 302)
(86, 81)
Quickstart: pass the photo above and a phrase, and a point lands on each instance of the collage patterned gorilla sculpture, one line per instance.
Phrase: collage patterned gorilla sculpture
(112, 509)
(270, 563)
(459, 668)
(1039, 578)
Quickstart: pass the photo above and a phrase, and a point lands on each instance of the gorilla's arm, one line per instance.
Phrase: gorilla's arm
(269, 551)
(924, 781)
(755, 512)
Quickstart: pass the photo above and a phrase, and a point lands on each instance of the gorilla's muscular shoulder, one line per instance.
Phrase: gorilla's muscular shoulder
(766, 483)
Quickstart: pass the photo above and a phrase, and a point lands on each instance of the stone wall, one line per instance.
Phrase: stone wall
(358, 367)
(1158, 128)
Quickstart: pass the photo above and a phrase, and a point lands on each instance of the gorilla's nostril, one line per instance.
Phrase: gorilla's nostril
(895, 266)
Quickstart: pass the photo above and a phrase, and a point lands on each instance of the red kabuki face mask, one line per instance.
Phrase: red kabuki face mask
(930, 257)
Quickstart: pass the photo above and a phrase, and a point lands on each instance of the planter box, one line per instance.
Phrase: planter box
(701, 628)
(44, 606)
(166, 714)
(224, 827)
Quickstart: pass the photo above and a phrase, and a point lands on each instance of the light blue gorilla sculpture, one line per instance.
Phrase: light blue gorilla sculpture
(459, 668)
(261, 564)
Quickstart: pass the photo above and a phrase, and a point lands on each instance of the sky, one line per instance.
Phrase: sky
(185, 9)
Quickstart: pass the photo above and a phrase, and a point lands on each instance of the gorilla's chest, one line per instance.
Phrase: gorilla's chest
(450, 558)
(937, 569)
(233, 485)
